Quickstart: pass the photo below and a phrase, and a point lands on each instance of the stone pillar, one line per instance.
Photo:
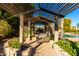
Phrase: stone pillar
(56, 29)
(62, 23)
(45, 28)
(21, 27)
(52, 27)
(32, 29)
(28, 29)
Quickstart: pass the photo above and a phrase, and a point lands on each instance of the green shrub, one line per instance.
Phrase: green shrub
(5, 28)
(77, 44)
(14, 43)
(68, 46)
(77, 47)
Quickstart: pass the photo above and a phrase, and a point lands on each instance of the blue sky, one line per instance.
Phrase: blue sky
(74, 15)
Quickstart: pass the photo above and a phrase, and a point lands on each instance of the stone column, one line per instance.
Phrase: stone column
(52, 27)
(21, 27)
(62, 27)
(32, 29)
(56, 29)
(45, 28)
(28, 29)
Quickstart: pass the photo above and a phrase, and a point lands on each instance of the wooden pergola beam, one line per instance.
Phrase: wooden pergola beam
(4, 7)
(16, 9)
(41, 19)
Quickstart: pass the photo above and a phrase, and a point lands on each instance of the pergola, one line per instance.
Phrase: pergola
(51, 11)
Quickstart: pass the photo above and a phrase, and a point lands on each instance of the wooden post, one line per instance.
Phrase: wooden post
(56, 29)
(21, 27)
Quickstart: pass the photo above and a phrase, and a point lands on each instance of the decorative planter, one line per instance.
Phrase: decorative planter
(13, 52)
(8, 50)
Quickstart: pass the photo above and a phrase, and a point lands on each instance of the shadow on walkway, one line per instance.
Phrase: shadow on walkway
(34, 49)
(26, 46)
(23, 47)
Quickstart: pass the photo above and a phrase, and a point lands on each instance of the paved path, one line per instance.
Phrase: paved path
(42, 48)
(45, 50)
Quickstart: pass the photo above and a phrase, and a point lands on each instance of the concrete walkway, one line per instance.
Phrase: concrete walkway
(45, 49)
(42, 48)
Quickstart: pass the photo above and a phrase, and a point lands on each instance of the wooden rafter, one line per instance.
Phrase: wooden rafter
(41, 19)
(27, 9)
(16, 8)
